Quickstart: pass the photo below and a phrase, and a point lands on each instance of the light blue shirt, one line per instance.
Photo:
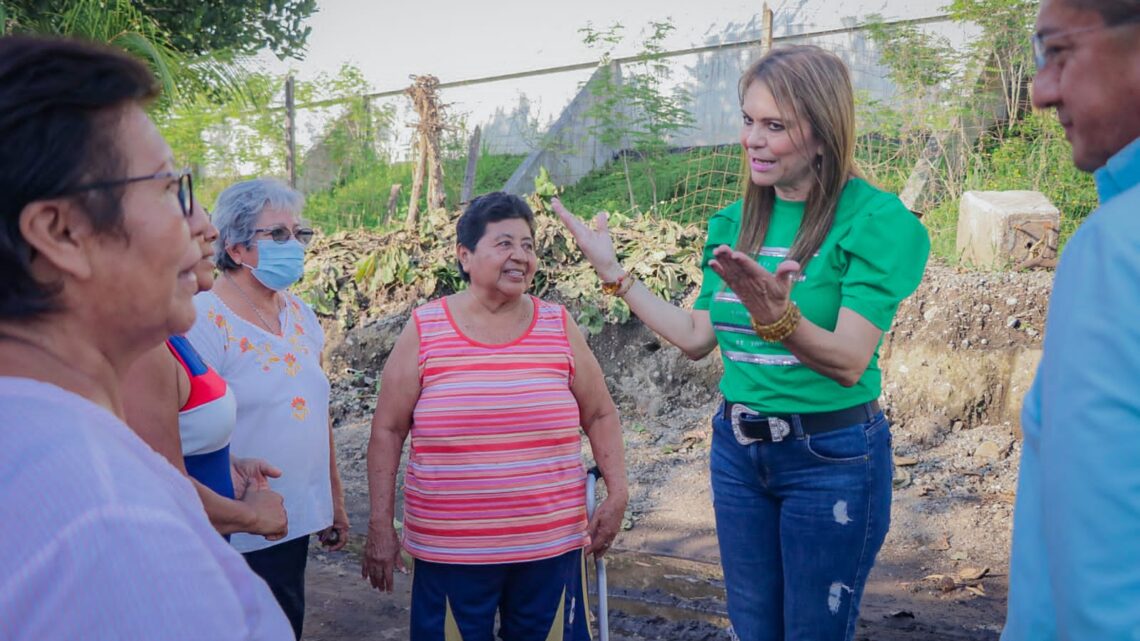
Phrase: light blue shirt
(101, 538)
(1075, 567)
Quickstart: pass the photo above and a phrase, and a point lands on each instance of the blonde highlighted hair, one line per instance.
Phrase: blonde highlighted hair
(812, 88)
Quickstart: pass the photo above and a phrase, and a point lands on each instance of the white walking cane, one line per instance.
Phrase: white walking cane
(599, 562)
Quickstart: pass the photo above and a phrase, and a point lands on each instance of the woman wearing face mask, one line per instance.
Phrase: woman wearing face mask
(267, 345)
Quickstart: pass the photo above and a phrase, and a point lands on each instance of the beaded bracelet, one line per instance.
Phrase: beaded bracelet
(783, 327)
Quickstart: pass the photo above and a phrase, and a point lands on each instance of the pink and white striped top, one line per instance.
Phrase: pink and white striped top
(495, 473)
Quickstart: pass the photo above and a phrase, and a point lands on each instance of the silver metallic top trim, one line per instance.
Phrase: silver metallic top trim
(780, 360)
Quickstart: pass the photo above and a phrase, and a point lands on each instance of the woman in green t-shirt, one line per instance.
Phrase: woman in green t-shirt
(801, 278)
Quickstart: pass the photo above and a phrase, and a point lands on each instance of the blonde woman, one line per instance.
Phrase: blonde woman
(801, 278)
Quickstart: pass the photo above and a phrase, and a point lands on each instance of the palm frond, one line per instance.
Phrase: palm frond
(164, 62)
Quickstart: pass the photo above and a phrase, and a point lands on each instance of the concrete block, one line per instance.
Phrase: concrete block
(1000, 229)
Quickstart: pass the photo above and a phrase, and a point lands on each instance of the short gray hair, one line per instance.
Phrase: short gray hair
(237, 209)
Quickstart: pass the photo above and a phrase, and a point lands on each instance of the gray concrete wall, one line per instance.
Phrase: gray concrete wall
(538, 112)
(710, 76)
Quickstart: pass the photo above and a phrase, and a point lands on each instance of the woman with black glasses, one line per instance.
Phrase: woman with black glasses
(267, 345)
(102, 539)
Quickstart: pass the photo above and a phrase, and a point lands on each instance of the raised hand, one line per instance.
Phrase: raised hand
(595, 242)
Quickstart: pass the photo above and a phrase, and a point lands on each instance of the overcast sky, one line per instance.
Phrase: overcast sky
(390, 40)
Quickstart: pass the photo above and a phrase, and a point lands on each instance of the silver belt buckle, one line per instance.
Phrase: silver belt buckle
(778, 427)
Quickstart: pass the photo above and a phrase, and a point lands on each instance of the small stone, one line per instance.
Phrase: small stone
(940, 545)
(1013, 322)
(905, 461)
(929, 314)
(972, 574)
(989, 451)
(985, 341)
(986, 308)
(1011, 301)
(965, 343)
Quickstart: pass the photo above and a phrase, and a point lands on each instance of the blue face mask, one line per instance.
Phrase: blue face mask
(279, 265)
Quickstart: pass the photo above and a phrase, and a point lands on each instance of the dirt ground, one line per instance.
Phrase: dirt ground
(941, 574)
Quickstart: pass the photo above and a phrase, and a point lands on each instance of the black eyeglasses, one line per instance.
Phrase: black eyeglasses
(282, 234)
(185, 186)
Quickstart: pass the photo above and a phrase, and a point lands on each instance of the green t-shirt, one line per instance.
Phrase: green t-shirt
(872, 258)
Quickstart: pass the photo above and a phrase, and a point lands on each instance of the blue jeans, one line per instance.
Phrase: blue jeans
(799, 523)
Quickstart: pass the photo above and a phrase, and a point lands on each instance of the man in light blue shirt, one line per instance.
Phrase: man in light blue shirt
(1075, 568)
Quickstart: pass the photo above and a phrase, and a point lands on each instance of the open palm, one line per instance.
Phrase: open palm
(595, 242)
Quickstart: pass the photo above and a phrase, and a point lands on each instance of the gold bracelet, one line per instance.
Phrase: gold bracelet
(615, 288)
(626, 284)
(783, 327)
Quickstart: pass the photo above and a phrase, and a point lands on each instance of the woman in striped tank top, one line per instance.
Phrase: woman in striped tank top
(494, 387)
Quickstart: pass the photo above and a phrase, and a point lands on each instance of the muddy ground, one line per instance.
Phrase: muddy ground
(956, 364)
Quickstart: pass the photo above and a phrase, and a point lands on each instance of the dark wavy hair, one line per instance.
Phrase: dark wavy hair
(60, 103)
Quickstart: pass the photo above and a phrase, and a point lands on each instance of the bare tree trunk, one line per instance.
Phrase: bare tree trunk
(628, 182)
(436, 196)
(472, 163)
(653, 186)
(290, 133)
(393, 197)
(417, 186)
(425, 98)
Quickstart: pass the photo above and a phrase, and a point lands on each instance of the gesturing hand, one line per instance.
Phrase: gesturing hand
(595, 242)
(765, 295)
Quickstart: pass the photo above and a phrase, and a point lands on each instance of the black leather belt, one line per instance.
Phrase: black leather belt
(750, 426)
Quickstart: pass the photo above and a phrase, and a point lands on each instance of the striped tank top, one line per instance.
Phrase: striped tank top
(495, 472)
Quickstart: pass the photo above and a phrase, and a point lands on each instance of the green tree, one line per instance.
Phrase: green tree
(633, 110)
(197, 27)
(241, 26)
(122, 24)
(1004, 45)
